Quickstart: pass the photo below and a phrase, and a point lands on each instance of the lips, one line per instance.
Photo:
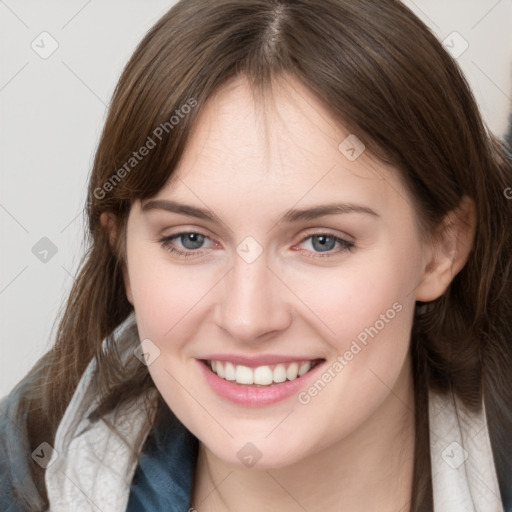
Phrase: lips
(255, 389)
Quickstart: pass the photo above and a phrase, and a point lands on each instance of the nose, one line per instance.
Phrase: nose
(253, 305)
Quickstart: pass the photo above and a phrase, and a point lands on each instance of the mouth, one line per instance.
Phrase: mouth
(261, 376)
(248, 382)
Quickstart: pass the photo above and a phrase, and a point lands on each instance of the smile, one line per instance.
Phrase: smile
(264, 375)
(255, 384)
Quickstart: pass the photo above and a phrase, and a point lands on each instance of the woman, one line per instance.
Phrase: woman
(297, 290)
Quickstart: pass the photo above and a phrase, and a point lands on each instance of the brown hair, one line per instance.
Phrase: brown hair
(382, 73)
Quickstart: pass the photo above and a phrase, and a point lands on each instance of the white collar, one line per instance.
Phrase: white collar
(464, 475)
(92, 466)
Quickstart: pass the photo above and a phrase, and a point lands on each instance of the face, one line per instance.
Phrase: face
(315, 307)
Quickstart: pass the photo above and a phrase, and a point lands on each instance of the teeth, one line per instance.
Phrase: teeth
(292, 371)
(261, 375)
(279, 373)
(229, 371)
(243, 375)
(304, 368)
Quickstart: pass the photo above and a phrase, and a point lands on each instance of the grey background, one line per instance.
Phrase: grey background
(52, 111)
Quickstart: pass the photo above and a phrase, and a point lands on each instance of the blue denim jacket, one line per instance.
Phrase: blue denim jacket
(165, 471)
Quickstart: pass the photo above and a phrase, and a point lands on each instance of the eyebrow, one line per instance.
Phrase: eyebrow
(293, 215)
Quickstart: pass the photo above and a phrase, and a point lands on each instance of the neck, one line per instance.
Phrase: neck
(371, 469)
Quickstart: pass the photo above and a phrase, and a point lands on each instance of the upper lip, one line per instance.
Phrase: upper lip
(255, 361)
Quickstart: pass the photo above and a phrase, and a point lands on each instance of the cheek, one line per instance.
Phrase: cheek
(164, 293)
(364, 311)
(347, 301)
(166, 301)
(370, 310)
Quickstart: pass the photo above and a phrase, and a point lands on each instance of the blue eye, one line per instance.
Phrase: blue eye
(326, 242)
(193, 240)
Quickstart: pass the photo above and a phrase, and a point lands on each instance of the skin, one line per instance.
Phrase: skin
(353, 443)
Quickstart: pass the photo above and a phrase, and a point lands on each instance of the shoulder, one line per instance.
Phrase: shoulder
(500, 436)
(18, 492)
(6, 477)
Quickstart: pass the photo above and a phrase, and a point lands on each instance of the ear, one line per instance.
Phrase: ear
(448, 252)
(109, 222)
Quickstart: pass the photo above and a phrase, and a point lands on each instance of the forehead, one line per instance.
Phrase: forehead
(288, 150)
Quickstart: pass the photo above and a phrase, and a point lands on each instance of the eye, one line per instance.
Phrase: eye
(190, 240)
(325, 242)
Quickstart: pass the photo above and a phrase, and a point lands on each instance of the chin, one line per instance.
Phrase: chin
(258, 454)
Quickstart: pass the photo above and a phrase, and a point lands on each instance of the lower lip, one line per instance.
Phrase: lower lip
(255, 396)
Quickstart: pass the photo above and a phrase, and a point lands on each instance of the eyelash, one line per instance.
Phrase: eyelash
(166, 244)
